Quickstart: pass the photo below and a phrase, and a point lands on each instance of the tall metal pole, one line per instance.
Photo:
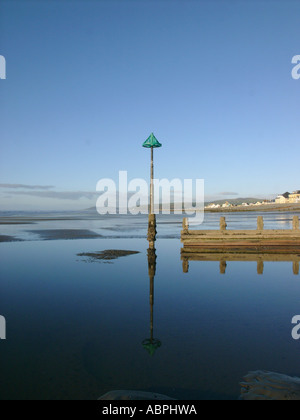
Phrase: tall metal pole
(151, 143)
(151, 184)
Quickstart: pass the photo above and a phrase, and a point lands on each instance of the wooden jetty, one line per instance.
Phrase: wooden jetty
(258, 245)
(262, 240)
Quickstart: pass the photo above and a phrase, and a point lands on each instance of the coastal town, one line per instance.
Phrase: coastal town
(286, 198)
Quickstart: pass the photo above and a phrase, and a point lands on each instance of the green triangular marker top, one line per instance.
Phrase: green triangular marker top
(152, 142)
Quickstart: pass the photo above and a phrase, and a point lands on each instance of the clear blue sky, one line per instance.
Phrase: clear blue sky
(88, 81)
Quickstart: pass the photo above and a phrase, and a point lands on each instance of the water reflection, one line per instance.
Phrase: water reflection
(223, 258)
(151, 344)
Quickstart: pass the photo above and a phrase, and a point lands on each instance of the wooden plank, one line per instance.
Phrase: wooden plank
(250, 239)
(227, 256)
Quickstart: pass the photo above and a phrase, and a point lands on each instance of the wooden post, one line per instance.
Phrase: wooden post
(296, 268)
(185, 225)
(185, 265)
(296, 223)
(223, 265)
(223, 224)
(260, 223)
(151, 237)
(260, 267)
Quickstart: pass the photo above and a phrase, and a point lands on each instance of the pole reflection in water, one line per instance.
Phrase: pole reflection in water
(151, 344)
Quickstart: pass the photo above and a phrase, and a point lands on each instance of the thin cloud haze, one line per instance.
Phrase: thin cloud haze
(61, 195)
(27, 187)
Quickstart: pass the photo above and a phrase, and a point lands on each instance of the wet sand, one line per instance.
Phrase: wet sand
(8, 222)
(31, 220)
(6, 238)
(121, 227)
(55, 234)
(19, 220)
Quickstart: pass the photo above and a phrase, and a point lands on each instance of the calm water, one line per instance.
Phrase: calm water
(75, 329)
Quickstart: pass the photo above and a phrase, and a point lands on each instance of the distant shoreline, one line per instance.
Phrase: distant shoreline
(264, 207)
(31, 219)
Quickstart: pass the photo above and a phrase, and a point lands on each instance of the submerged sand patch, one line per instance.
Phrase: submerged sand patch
(107, 255)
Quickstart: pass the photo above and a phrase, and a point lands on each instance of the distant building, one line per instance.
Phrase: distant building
(282, 198)
(213, 206)
(287, 197)
(294, 197)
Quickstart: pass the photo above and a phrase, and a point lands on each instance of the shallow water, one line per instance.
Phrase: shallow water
(75, 329)
(134, 227)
